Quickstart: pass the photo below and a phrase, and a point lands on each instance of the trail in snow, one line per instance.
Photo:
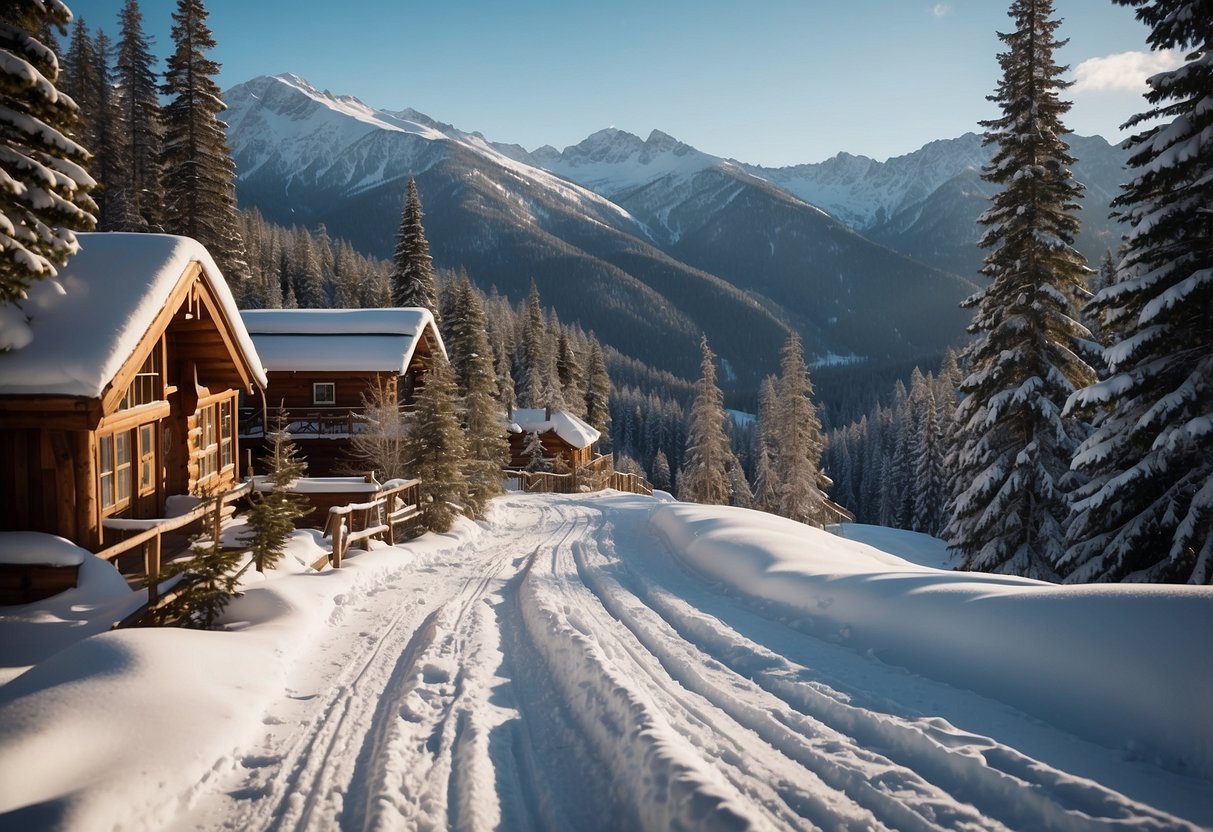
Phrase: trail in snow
(564, 670)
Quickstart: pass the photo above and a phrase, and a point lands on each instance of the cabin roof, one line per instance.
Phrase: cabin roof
(333, 340)
(86, 322)
(568, 427)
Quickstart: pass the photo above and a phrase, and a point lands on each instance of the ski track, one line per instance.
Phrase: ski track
(563, 670)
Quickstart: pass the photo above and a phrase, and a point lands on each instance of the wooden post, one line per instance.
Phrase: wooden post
(391, 524)
(151, 566)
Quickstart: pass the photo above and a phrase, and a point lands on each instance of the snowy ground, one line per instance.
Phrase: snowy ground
(619, 662)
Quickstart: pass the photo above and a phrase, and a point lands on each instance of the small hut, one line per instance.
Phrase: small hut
(322, 363)
(564, 436)
(126, 392)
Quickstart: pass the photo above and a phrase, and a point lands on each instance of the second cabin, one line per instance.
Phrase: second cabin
(322, 366)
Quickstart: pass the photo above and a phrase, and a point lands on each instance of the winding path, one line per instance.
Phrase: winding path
(564, 671)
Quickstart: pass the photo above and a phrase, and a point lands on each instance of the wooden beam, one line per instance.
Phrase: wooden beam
(88, 517)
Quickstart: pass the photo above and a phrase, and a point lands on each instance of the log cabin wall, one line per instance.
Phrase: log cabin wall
(295, 391)
(553, 446)
(38, 489)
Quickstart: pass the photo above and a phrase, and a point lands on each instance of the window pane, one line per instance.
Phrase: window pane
(122, 445)
(105, 444)
(123, 476)
(107, 490)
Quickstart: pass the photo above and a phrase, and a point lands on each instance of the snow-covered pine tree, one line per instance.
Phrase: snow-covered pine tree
(532, 367)
(766, 481)
(930, 485)
(209, 580)
(436, 448)
(306, 275)
(44, 198)
(271, 519)
(139, 174)
(709, 458)
(798, 441)
(572, 379)
(598, 392)
(488, 452)
(661, 476)
(1147, 513)
(1008, 512)
(412, 276)
(199, 174)
(534, 453)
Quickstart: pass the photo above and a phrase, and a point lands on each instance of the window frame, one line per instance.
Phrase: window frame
(331, 399)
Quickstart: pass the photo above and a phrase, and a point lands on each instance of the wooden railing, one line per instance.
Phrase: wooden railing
(301, 422)
(361, 522)
(596, 475)
(148, 535)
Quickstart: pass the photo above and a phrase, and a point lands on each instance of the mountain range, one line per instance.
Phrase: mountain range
(650, 242)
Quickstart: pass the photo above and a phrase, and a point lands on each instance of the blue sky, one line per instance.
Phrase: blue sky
(771, 82)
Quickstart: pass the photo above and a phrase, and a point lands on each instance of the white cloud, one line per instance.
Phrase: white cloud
(941, 9)
(1123, 71)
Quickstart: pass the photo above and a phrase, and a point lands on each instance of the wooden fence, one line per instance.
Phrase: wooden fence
(149, 533)
(593, 476)
(360, 522)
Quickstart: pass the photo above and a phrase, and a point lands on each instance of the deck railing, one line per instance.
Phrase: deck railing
(377, 518)
(148, 534)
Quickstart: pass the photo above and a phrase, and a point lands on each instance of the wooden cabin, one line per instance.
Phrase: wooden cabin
(564, 436)
(127, 392)
(322, 364)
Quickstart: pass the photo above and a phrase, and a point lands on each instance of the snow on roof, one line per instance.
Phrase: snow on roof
(84, 324)
(339, 339)
(567, 426)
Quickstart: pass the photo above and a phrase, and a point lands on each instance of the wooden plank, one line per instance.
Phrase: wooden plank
(127, 419)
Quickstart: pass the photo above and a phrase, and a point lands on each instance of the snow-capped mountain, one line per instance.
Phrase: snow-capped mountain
(646, 242)
(926, 203)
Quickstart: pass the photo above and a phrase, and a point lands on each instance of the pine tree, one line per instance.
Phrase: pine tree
(208, 581)
(532, 369)
(306, 277)
(44, 196)
(709, 458)
(534, 452)
(412, 276)
(1024, 362)
(929, 481)
(437, 449)
(798, 441)
(107, 127)
(1147, 513)
(271, 519)
(140, 175)
(661, 476)
(199, 174)
(488, 452)
(598, 392)
(79, 81)
(766, 482)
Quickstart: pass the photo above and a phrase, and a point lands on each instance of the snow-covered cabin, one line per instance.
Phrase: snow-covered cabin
(124, 388)
(321, 363)
(562, 433)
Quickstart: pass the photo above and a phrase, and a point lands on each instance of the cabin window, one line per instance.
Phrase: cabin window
(226, 434)
(324, 392)
(208, 445)
(147, 386)
(114, 470)
(147, 459)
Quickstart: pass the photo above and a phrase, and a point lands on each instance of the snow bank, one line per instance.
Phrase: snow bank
(125, 728)
(34, 631)
(1126, 666)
